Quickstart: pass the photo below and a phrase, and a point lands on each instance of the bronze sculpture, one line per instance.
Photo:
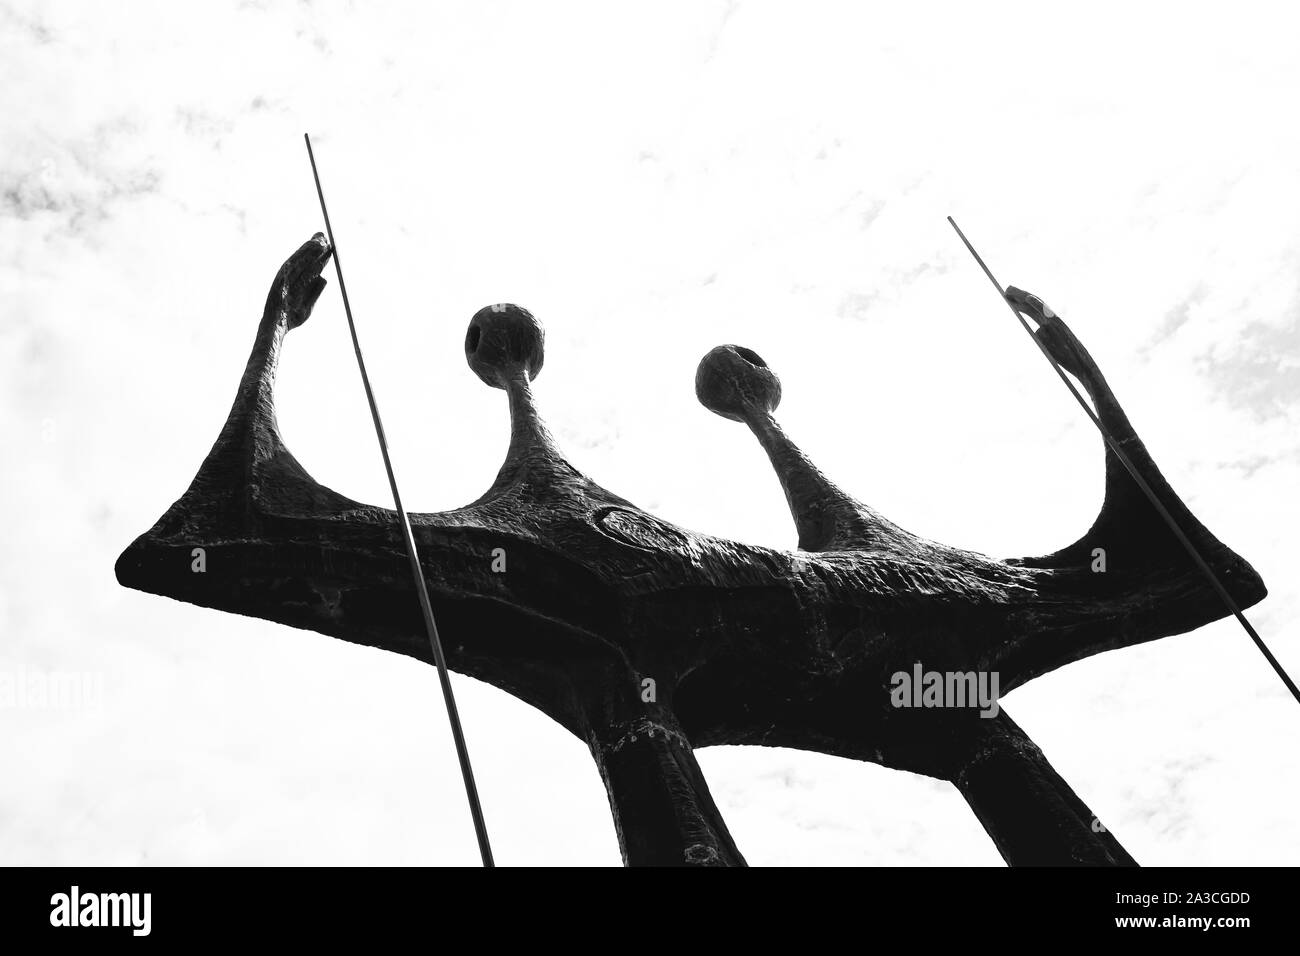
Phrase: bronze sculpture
(647, 640)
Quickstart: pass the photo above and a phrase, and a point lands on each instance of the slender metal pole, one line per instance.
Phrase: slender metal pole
(453, 717)
(1141, 482)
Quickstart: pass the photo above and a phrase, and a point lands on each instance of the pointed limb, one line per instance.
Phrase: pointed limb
(1129, 528)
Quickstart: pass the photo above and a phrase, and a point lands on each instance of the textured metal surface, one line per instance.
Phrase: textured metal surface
(746, 645)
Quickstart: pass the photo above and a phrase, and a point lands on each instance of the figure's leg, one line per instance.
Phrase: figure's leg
(1031, 813)
(663, 811)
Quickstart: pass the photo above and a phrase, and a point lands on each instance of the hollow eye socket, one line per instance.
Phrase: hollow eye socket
(750, 356)
(471, 338)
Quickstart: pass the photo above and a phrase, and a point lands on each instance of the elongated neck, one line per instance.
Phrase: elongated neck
(528, 434)
(825, 517)
(532, 449)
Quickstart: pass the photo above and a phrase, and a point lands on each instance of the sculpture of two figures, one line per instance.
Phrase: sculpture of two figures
(741, 644)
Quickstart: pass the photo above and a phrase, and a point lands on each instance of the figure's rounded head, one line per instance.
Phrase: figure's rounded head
(736, 383)
(502, 341)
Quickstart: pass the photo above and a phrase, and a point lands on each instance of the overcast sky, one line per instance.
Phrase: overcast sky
(651, 181)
